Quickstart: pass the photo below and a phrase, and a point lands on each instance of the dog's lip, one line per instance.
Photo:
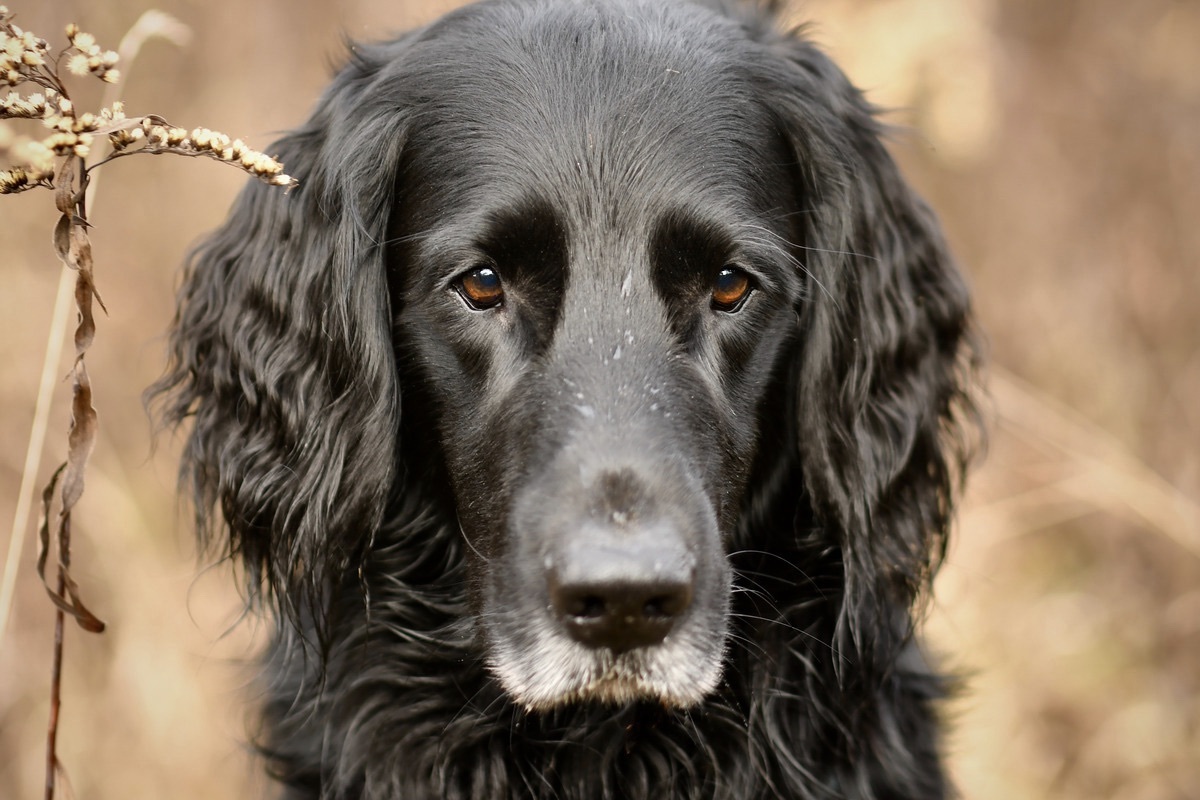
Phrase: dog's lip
(612, 688)
(611, 684)
(601, 676)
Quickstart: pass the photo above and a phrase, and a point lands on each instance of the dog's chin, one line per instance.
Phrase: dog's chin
(557, 672)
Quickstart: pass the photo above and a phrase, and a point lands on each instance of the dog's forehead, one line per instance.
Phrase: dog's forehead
(610, 106)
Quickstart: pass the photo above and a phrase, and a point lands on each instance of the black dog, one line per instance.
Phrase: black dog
(590, 416)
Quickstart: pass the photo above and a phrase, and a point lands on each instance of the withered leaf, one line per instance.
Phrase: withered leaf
(85, 331)
(81, 440)
(44, 525)
(76, 608)
(64, 187)
(86, 619)
(62, 239)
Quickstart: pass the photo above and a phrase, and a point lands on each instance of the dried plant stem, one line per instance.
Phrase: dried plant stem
(74, 250)
(37, 441)
(152, 24)
(60, 162)
(56, 664)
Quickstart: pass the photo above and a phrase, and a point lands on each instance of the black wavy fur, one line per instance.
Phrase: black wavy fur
(317, 452)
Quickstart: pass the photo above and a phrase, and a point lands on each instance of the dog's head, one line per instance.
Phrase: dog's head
(596, 279)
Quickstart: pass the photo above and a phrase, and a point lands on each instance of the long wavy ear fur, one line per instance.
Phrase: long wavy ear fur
(884, 416)
(281, 352)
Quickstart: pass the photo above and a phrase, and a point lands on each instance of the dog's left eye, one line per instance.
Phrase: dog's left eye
(481, 288)
(730, 289)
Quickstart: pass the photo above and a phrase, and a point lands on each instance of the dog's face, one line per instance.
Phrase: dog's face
(596, 286)
(590, 302)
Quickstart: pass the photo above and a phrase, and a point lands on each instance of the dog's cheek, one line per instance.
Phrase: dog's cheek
(450, 361)
(751, 363)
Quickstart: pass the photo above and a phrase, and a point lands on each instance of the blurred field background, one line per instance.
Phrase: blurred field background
(1060, 142)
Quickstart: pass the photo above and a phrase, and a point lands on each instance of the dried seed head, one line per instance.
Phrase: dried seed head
(22, 54)
(265, 165)
(82, 41)
(77, 64)
(33, 163)
(124, 138)
(62, 143)
(89, 57)
(113, 113)
(14, 105)
(24, 57)
(13, 180)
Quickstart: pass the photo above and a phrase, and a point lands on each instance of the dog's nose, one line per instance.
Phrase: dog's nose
(620, 596)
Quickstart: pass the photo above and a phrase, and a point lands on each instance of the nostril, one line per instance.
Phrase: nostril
(619, 615)
(588, 606)
(665, 605)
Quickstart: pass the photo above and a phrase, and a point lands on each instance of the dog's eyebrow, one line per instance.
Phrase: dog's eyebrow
(686, 245)
(523, 236)
(689, 247)
(527, 235)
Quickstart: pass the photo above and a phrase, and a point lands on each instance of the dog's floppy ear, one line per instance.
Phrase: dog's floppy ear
(882, 383)
(281, 352)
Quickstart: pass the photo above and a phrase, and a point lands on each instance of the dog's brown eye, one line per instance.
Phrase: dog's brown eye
(481, 288)
(730, 289)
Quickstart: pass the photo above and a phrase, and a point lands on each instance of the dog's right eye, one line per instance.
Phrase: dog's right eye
(481, 288)
(730, 289)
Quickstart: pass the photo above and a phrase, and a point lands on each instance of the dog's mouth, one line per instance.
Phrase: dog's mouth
(545, 659)
(557, 672)
(627, 677)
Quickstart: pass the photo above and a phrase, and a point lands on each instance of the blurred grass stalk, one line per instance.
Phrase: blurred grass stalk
(1101, 473)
